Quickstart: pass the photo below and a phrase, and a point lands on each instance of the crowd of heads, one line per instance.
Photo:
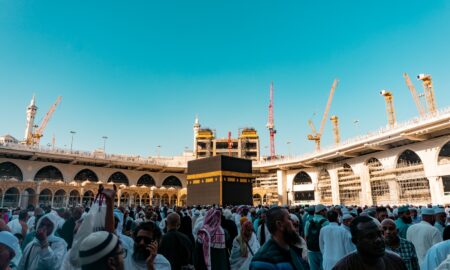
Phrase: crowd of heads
(142, 232)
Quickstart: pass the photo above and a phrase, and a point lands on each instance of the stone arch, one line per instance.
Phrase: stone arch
(173, 200)
(257, 200)
(379, 181)
(59, 200)
(324, 187)
(125, 199)
(146, 180)
(10, 171)
(50, 173)
(444, 154)
(413, 186)
(156, 200)
(74, 198)
(172, 181)
(86, 175)
(349, 185)
(118, 178)
(165, 199)
(11, 197)
(45, 197)
(88, 197)
(266, 199)
(302, 178)
(135, 201)
(145, 199)
(28, 198)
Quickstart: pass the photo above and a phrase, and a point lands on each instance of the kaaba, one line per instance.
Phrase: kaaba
(220, 180)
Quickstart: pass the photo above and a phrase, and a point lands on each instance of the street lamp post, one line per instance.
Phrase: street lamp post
(158, 149)
(104, 143)
(71, 142)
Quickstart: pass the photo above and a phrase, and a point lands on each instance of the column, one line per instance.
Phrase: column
(53, 198)
(281, 184)
(3, 197)
(20, 198)
(394, 192)
(334, 186)
(436, 189)
(151, 197)
(119, 195)
(366, 190)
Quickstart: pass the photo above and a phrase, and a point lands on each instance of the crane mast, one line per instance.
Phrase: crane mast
(270, 124)
(389, 98)
(230, 143)
(335, 121)
(413, 91)
(429, 92)
(316, 137)
(39, 133)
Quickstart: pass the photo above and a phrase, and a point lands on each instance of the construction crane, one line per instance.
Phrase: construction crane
(414, 94)
(389, 98)
(270, 124)
(429, 92)
(39, 132)
(316, 137)
(230, 143)
(335, 121)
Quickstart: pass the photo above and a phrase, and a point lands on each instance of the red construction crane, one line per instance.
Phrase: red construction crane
(270, 124)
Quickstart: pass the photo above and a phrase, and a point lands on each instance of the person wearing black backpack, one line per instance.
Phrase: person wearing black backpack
(312, 232)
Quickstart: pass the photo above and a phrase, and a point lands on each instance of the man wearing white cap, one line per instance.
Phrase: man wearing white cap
(9, 250)
(440, 217)
(423, 234)
(346, 221)
(101, 251)
(335, 242)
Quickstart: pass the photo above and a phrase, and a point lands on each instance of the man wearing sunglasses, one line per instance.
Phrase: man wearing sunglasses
(146, 241)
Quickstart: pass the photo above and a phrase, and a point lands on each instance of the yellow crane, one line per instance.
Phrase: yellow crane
(335, 121)
(413, 91)
(39, 132)
(429, 92)
(316, 137)
(389, 98)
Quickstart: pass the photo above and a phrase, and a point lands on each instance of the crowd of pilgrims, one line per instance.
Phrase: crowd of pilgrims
(233, 237)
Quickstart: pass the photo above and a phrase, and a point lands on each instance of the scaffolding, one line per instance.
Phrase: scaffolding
(324, 187)
(266, 184)
(414, 187)
(349, 186)
(379, 182)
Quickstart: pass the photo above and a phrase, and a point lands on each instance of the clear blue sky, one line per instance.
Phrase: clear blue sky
(138, 72)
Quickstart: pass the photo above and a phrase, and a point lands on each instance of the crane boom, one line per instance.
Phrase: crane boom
(40, 130)
(327, 108)
(316, 137)
(413, 91)
(313, 128)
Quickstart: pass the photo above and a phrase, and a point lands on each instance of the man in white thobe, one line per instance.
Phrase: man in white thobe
(335, 242)
(423, 234)
(436, 255)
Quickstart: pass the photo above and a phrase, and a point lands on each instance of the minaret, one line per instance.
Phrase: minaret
(31, 113)
(196, 129)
